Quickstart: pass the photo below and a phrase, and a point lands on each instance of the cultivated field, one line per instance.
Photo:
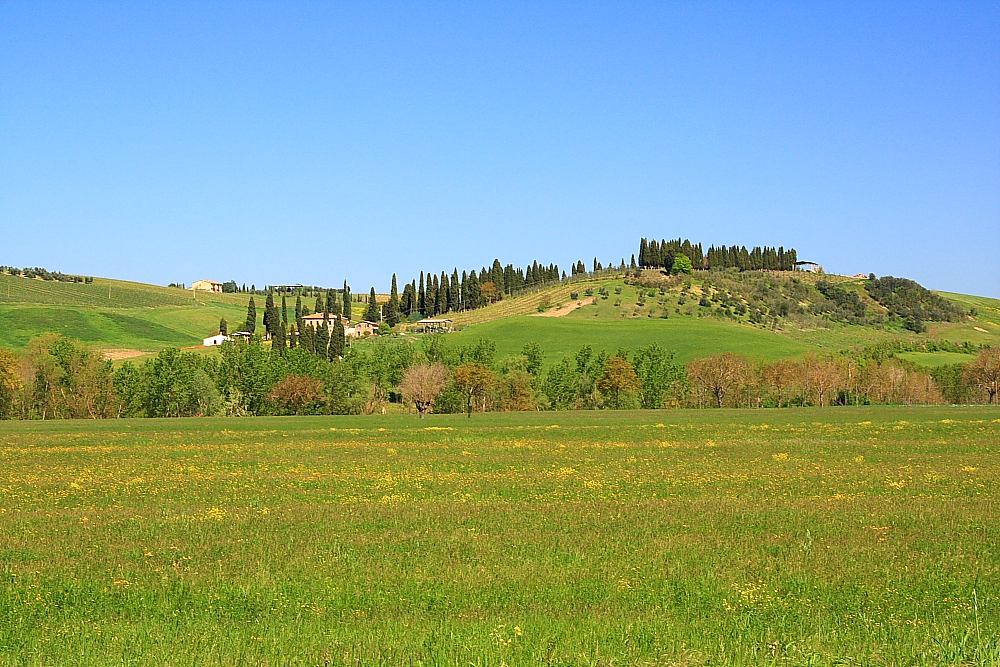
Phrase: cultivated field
(844, 536)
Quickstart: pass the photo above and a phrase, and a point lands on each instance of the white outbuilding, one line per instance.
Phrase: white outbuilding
(217, 339)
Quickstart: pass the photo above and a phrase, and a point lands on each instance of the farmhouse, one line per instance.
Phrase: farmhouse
(217, 339)
(361, 329)
(206, 286)
(356, 330)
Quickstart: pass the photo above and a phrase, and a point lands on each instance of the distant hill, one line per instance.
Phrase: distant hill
(616, 311)
(761, 314)
(112, 313)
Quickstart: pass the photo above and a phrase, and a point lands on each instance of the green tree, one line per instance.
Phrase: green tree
(278, 340)
(337, 339)
(561, 385)
(347, 301)
(682, 264)
(284, 311)
(532, 354)
(251, 316)
(392, 311)
(322, 343)
(269, 319)
(372, 312)
(223, 326)
(658, 375)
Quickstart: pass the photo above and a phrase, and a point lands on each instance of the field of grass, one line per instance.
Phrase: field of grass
(688, 337)
(848, 536)
(934, 359)
(134, 316)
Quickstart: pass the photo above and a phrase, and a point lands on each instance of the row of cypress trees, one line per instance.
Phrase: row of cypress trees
(653, 254)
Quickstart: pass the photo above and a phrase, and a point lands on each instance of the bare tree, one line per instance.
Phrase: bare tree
(720, 373)
(422, 384)
(820, 375)
(781, 376)
(985, 372)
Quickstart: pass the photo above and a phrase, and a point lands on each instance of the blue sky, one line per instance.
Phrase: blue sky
(296, 142)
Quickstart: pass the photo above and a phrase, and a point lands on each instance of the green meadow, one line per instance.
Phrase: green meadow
(688, 337)
(838, 536)
(112, 313)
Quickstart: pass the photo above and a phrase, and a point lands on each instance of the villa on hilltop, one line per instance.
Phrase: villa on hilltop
(206, 286)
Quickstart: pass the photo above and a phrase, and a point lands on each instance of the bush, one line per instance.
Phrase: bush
(705, 303)
(574, 295)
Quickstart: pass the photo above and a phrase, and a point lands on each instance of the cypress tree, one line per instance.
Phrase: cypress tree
(331, 303)
(278, 340)
(307, 338)
(454, 293)
(372, 313)
(320, 306)
(284, 312)
(347, 302)
(293, 336)
(322, 340)
(269, 315)
(251, 316)
(440, 294)
(431, 294)
(392, 312)
(337, 339)
(223, 326)
(473, 292)
(298, 310)
(421, 297)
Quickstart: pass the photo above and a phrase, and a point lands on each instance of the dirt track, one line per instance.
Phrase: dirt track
(565, 310)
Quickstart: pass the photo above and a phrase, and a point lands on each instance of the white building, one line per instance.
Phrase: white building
(217, 339)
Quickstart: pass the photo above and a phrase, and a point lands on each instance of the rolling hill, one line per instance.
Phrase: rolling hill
(605, 311)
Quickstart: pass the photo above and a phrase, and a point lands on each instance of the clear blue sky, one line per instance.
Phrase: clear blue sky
(295, 142)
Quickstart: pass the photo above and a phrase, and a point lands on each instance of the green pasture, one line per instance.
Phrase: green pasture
(935, 359)
(689, 337)
(838, 536)
(130, 328)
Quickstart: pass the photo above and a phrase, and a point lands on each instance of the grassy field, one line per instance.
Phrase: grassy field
(849, 536)
(689, 337)
(113, 313)
(934, 359)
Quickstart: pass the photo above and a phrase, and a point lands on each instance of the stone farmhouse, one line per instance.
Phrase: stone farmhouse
(206, 286)
(356, 330)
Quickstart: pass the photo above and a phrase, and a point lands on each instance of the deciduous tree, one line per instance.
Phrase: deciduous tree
(474, 380)
(618, 378)
(422, 384)
(984, 372)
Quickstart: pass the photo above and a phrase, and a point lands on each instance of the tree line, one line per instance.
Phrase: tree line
(663, 254)
(55, 377)
(44, 274)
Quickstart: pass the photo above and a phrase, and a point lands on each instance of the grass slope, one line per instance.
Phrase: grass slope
(688, 337)
(847, 536)
(113, 313)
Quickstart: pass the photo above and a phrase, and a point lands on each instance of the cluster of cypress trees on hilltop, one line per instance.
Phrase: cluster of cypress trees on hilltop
(436, 294)
(653, 254)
